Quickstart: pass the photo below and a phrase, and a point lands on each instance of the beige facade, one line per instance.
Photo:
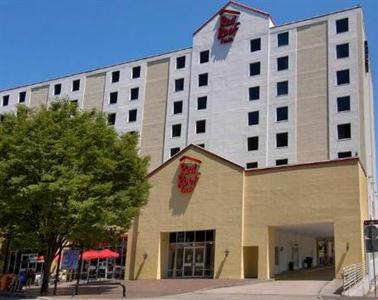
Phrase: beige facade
(39, 96)
(94, 91)
(247, 209)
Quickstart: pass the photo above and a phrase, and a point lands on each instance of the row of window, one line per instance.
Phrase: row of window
(204, 57)
(134, 95)
(132, 117)
(135, 73)
(21, 98)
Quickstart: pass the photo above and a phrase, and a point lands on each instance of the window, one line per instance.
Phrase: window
(76, 85)
(343, 103)
(204, 56)
(135, 73)
(343, 131)
(253, 143)
(282, 39)
(5, 100)
(254, 69)
(202, 102)
(175, 150)
(281, 139)
(132, 115)
(177, 107)
(344, 154)
(343, 77)
(75, 102)
(111, 119)
(342, 50)
(113, 98)
(277, 256)
(115, 76)
(280, 162)
(201, 126)
(22, 97)
(342, 25)
(254, 93)
(366, 56)
(253, 118)
(282, 63)
(176, 130)
(252, 165)
(57, 89)
(282, 88)
(134, 93)
(201, 145)
(282, 113)
(255, 45)
(179, 85)
(203, 79)
(180, 62)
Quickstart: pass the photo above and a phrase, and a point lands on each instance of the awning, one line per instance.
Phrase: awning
(95, 254)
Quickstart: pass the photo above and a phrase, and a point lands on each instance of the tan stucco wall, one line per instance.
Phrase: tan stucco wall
(39, 96)
(94, 92)
(312, 93)
(154, 111)
(318, 193)
(216, 203)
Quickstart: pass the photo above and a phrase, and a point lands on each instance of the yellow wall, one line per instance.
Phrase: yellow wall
(318, 193)
(245, 209)
(216, 203)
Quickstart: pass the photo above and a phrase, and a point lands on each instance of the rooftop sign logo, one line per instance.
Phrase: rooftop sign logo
(188, 174)
(228, 25)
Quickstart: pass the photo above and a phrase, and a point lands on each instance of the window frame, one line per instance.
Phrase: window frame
(173, 126)
(114, 75)
(206, 59)
(287, 113)
(337, 25)
(73, 89)
(132, 90)
(256, 87)
(139, 72)
(174, 107)
(287, 139)
(287, 88)
(349, 129)
(257, 119)
(286, 41)
(343, 71)
(258, 70)
(130, 112)
(183, 85)
(339, 46)
(256, 139)
(286, 63)
(116, 97)
(203, 77)
(203, 123)
(338, 100)
(184, 63)
(198, 102)
(56, 85)
(259, 45)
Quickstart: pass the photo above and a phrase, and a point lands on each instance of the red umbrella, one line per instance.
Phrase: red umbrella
(106, 253)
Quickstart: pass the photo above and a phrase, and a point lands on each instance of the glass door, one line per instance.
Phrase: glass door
(199, 261)
(188, 261)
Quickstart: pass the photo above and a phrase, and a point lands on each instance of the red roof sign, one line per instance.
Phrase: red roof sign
(188, 175)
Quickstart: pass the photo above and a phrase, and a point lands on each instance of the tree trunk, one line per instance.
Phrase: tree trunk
(57, 270)
(51, 250)
(6, 253)
(79, 270)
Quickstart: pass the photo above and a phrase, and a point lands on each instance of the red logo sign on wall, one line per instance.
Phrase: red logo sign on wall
(188, 174)
(228, 25)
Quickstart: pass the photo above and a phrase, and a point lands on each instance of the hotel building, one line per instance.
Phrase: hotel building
(279, 120)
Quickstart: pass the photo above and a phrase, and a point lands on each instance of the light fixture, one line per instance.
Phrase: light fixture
(226, 252)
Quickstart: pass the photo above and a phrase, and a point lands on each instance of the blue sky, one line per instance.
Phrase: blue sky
(42, 39)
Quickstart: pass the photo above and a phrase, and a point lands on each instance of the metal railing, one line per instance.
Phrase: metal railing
(352, 274)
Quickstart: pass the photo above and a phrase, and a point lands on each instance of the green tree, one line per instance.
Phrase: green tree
(67, 175)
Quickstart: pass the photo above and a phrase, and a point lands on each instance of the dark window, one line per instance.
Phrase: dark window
(253, 118)
(134, 93)
(254, 93)
(255, 45)
(201, 126)
(201, 145)
(111, 118)
(2, 118)
(254, 69)
(176, 130)
(282, 39)
(180, 62)
(252, 165)
(5, 100)
(342, 50)
(76, 85)
(115, 76)
(344, 154)
(343, 131)
(342, 25)
(179, 84)
(174, 151)
(113, 97)
(177, 107)
(210, 236)
(282, 113)
(57, 89)
(132, 115)
(282, 63)
(282, 88)
(343, 77)
(280, 162)
(200, 236)
(253, 143)
(204, 56)
(22, 97)
(75, 102)
(282, 139)
(189, 236)
(203, 79)
(343, 103)
(135, 72)
(202, 102)
(366, 52)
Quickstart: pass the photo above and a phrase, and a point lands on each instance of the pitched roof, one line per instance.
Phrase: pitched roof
(243, 6)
